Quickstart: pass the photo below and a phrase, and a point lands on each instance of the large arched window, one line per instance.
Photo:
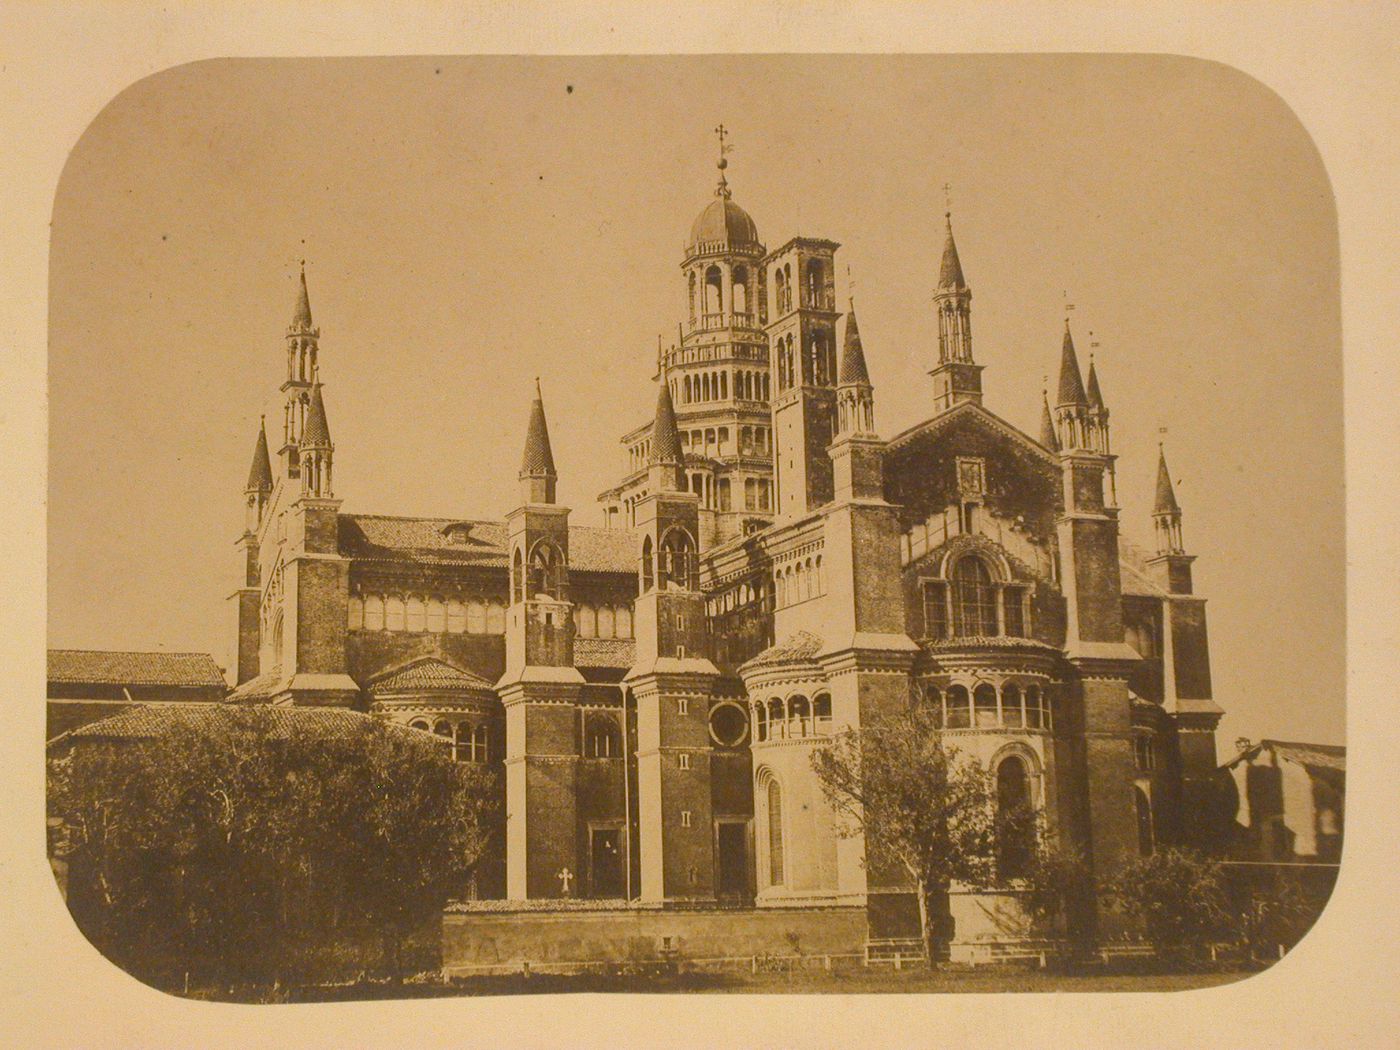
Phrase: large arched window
(821, 713)
(984, 704)
(799, 717)
(1011, 713)
(714, 288)
(1015, 819)
(959, 708)
(739, 297)
(677, 569)
(760, 712)
(546, 572)
(776, 873)
(648, 572)
(517, 577)
(601, 738)
(777, 718)
(974, 600)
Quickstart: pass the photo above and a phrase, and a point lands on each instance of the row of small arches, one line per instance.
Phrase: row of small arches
(414, 614)
(791, 718)
(984, 706)
(799, 581)
(471, 741)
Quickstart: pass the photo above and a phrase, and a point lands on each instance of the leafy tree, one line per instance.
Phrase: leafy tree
(922, 807)
(1057, 885)
(232, 842)
(1177, 896)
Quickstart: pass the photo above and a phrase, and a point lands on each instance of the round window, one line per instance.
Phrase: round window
(729, 724)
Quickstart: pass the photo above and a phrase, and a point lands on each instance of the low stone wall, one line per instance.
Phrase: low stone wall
(501, 938)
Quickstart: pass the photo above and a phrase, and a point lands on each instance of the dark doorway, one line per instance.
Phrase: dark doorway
(606, 859)
(733, 860)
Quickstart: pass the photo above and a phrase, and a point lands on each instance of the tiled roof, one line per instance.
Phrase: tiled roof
(302, 317)
(427, 673)
(620, 653)
(378, 537)
(1071, 385)
(950, 273)
(1047, 427)
(801, 647)
(260, 475)
(853, 368)
(1165, 503)
(1094, 394)
(665, 438)
(538, 458)
(85, 666)
(147, 722)
(258, 689)
(1134, 572)
(1328, 756)
(317, 433)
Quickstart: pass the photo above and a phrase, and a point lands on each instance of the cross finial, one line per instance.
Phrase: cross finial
(723, 189)
(850, 284)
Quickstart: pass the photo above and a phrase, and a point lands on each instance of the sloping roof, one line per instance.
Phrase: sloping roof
(260, 474)
(1165, 503)
(976, 411)
(302, 317)
(1047, 427)
(620, 653)
(317, 433)
(149, 722)
(258, 689)
(1325, 756)
(665, 436)
(1135, 573)
(84, 666)
(723, 222)
(427, 673)
(1094, 394)
(799, 648)
(380, 537)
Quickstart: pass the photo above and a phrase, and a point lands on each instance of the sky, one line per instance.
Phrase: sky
(471, 223)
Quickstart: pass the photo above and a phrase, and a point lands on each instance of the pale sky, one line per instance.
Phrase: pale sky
(471, 223)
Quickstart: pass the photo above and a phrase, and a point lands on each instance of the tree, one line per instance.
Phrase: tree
(1178, 897)
(922, 807)
(236, 842)
(1057, 886)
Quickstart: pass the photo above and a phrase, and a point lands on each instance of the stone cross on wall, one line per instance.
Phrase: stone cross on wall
(565, 877)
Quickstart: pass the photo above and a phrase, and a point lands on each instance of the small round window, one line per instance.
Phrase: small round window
(729, 725)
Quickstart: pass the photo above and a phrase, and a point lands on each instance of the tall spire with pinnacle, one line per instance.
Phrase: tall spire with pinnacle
(855, 397)
(1072, 414)
(260, 475)
(1047, 425)
(1166, 493)
(1171, 561)
(1071, 383)
(666, 454)
(303, 350)
(316, 449)
(537, 474)
(957, 378)
(1094, 396)
(302, 317)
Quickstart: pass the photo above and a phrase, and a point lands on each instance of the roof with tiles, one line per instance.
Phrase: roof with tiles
(1135, 573)
(427, 674)
(148, 723)
(799, 648)
(83, 666)
(375, 537)
(258, 689)
(620, 653)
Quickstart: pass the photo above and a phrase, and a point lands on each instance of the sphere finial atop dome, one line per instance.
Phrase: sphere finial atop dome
(723, 224)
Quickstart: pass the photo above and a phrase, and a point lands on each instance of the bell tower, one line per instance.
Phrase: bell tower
(303, 349)
(958, 377)
(540, 688)
(672, 681)
(802, 340)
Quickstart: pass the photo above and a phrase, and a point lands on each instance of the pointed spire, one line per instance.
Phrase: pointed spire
(853, 368)
(302, 317)
(317, 433)
(665, 435)
(1094, 396)
(1166, 494)
(260, 476)
(950, 274)
(539, 458)
(1047, 425)
(1071, 385)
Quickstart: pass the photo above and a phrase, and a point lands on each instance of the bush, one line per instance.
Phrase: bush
(1177, 897)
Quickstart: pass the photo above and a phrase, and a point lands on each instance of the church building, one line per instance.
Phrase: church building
(768, 571)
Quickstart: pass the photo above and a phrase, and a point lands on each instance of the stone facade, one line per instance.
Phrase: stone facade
(771, 572)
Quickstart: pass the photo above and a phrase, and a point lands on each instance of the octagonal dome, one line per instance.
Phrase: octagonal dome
(723, 222)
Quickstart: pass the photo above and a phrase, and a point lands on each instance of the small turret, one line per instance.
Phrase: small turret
(1171, 562)
(259, 485)
(316, 449)
(667, 461)
(1071, 404)
(1047, 425)
(537, 475)
(855, 397)
(958, 377)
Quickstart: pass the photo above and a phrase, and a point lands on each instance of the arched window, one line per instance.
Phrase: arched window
(692, 295)
(787, 286)
(714, 288)
(355, 613)
(601, 738)
(648, 572)
(419, 723)
(587, 621)
(436, 621)
(456, 617)
(1034, 709)
(1011, 712)
(414, 615)
(959, 708)
(984, 703)
(775, 834)
(777, 719)
(974, 600)
(624, 621)
(687, 398)
(443, 728)
(933, 697)
(722, 491)
(760, 713)
(374, 613)
(607, 625)
(814, 282)
(480, 743)
(393, 613)
(546, 571)
(1015, 819)
(739, 297)
(677, 561)
(799, 717)
(495, 618)
(517, 577)
(779, 291)
(1146, 838)
(821, 713)
(476, 617)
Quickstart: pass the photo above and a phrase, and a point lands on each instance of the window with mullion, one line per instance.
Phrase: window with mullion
(974, 600)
